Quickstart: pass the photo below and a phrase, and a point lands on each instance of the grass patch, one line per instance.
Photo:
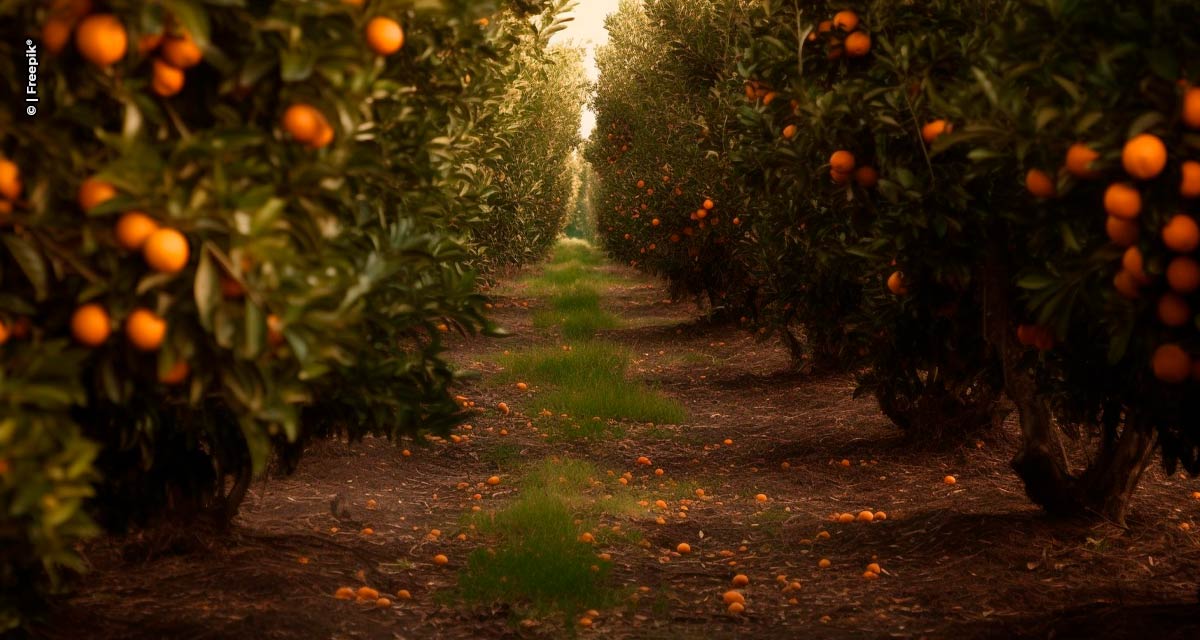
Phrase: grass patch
(505, 456)
(589, 381)
(576, 310)
(559, 429)
(538, 564)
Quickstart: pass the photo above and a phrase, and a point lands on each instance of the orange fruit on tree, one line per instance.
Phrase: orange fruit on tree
(1079, 161)
(1122, 200)
(1191, 108)
(90, 325)
(708, 205)
(789, 132)
(866, 177)
(1126, 285)
(166, 250)
(1171, 364)
(10, 179)
(176, 374)
(1134, 263)
(933, 130)
(101, 39)
(324, 136)
(303, 122)
(384, 36)
(1181, 234)
(94, 192)
(1183, 274)
(56, 32)
(133, 229)
(145, 329)
(842, 161)
(1040, 184)
(1123, 233)
(858, 44)
(846, 20)
(167, 80)
(1189, 185)
(1144, 156)
(896, 284)
(181, 51)
(1173, 310)
(5, 332)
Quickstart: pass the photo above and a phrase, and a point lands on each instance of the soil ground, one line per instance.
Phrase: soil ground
(971, 560)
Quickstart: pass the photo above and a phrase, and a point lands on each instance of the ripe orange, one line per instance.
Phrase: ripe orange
(762, 497)
(1122, 200)
(708, 205)
(842, 161)
(865, 516)
(383, 603)
(641, 184)
(494, 480)
(933, 130)
(167, 80)
(731, 597)
(101, 39)
(789, 132)
(825, 26)
(896, 284)
(384, 36)
(176, 374)
(1181, 234)
(737, 608)
(94, 192)
(181, 51)
(55, 34)
(1134, 263)
(950, 480)
(1173, 310)
(684, 547)
(858, 44)
(324, 136)
(133, 228)
(5, 332)
(824, 563)
(740, 580)
(1189, 185)
(643, 460)
(145, 329)
(90, 325)
(344, 593)
(866, 177)
(1183, 274)
(1144, 156)
(1191, 108)
(302, 122)
(846, 20)
(440, 559)
(845, 518)
(1123, 233)
(655, 222)
(1040, 184)
(1171, 364)
(10, 179)
(367, 593)
(1126, 285)
(1079, 161)
(166, 250)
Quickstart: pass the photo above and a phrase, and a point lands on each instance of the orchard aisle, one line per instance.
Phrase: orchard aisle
(537, 512)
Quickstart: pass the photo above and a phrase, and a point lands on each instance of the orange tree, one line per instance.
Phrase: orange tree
(226, 230)
(869, 242)
(665, 195)
(1091, 108)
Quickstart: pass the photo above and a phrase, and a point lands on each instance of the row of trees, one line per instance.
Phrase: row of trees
(963, 201)
(229, 228)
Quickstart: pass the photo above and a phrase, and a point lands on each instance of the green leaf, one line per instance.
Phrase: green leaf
(31, 262)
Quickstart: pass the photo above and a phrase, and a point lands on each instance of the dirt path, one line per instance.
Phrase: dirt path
(972, 560)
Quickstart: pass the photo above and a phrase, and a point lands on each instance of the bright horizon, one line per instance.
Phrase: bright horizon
(587, 31)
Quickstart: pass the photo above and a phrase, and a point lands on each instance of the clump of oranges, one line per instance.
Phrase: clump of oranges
(843, 36)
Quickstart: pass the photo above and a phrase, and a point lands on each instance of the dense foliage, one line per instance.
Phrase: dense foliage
(231, 227)
(878, 156)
